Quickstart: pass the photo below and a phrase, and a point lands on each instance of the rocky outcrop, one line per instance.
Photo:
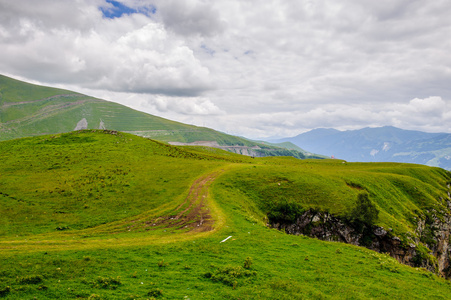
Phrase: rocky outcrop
(254, 151)
(82, 124)
(434, 231)
(429, 247)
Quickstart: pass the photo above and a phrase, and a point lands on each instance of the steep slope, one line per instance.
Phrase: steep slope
(35, 110)
(383, 144)
(104, 214)
(30, 110)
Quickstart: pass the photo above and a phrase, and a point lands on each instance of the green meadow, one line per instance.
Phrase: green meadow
(99, 214)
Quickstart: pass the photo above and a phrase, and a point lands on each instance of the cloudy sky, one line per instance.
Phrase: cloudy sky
(245, 67)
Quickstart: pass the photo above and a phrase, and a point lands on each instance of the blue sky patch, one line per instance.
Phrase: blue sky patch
(120, 9)
(207, 50)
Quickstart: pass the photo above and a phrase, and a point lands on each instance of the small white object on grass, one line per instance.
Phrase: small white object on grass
(225, 239)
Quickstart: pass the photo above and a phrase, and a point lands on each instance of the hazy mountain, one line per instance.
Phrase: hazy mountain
(378, 145)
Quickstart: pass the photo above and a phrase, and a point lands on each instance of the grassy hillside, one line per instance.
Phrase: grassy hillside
(31, 110)
(12, 90)
(28, 110)
(108, 215)
(401, 192)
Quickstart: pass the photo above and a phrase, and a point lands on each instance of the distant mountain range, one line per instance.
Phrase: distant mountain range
(382, 144)
(29, 110)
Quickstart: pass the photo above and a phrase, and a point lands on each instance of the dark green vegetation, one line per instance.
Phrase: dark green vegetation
(108, 215)
(379, 145)
(364, 211)
(30, 110)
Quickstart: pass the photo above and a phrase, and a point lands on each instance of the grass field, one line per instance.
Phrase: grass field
(107, 215)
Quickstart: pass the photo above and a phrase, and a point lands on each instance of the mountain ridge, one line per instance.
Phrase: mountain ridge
(378, 144)
(30, 110)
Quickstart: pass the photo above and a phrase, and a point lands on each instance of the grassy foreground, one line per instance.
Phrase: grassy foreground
(107, 215)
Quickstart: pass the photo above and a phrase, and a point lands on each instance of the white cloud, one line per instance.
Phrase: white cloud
(246, 67)
(428, 114)
(194, 106)
(128, 54)
(430, 105)
(190, 17)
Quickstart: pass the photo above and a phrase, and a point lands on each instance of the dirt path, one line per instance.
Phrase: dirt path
(193, 216)
(193, 213)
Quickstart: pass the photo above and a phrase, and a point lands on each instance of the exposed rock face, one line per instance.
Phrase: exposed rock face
(82, 124)
(435, 232)
(243, 150)
(432, 232)
(102, 124)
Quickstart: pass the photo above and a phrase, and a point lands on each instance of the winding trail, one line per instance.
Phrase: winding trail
(194, 212)
(192, 219)
(192, 215)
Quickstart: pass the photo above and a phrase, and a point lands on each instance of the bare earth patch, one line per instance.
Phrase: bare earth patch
(192, 215)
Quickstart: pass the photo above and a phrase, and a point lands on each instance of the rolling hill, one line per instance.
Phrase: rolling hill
(101, 214)
(31, 110)
(383, 144)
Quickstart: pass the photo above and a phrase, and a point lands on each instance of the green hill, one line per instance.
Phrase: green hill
(31, 110)
(100, 214)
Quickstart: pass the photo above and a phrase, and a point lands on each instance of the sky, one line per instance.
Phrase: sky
(259, 69)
